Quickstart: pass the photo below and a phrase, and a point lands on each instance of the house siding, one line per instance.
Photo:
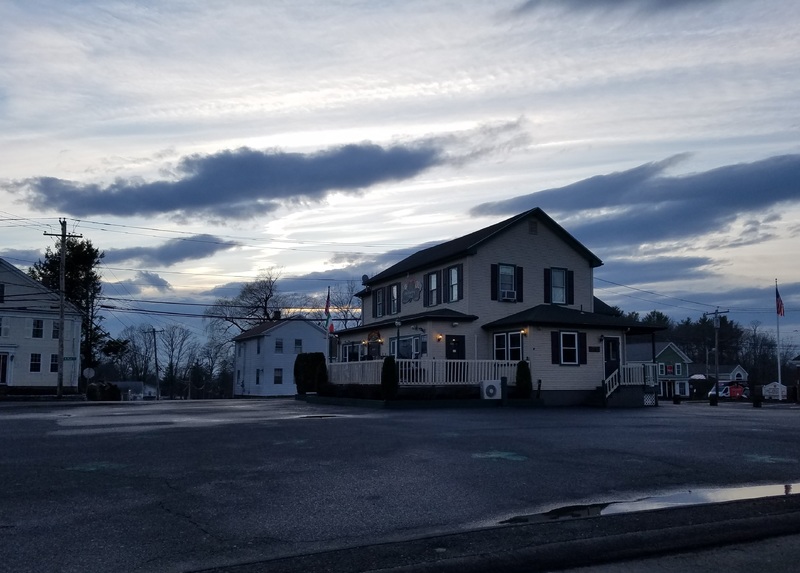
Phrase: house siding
(17, 342)
(249, 360)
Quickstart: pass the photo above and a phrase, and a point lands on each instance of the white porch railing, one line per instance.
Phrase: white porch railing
(426, 372)
(632, 375)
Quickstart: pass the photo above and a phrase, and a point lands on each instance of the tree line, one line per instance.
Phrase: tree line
(753, 348)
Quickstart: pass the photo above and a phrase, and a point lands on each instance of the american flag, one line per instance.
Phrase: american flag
(779, 303)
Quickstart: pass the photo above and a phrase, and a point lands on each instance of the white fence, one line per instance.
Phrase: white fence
(426, 372)
(632, 375)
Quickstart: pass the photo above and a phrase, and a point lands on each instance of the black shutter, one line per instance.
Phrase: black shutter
(570, 287)
(520, 283)
(426, 284)
(460, 282)
(439, 287)
(555, 347)
(548, 289)
(445, 285)
(374, 297)
(495, 278)
(582, 348)
(399, 295)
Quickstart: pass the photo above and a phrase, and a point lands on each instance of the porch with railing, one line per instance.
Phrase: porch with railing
(424, 372)
(631, 375)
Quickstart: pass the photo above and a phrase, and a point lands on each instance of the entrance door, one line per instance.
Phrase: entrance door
(611, 355)
(455, 346)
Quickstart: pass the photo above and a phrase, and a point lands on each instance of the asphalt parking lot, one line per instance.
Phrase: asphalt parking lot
(191, 486)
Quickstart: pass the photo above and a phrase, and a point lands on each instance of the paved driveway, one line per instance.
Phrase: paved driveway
(182, 486)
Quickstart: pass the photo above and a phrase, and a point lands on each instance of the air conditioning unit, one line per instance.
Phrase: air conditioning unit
(508, 295)
(491, 390)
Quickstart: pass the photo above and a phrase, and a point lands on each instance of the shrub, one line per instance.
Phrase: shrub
(389, 378)
(310, 372)
(524, 381)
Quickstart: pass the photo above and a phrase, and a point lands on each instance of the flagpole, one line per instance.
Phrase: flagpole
(778, 328)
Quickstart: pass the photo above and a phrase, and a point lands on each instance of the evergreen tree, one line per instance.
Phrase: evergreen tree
(82, 288)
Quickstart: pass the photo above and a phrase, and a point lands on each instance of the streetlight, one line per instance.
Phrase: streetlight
(397, 323)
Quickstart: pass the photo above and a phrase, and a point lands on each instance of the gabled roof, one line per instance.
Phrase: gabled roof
(557, 315)
(41, 298)
(642, 351)
(468, 245)
(267, 327)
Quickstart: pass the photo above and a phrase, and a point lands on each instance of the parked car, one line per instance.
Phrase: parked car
(724, 392)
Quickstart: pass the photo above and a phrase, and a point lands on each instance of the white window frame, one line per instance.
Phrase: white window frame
(37, 326)
(558, 292)
(54, 362)
(678, 369)
(279, 346)
(298, 345)
(394, 298)
(572, 347)
(277, 376)
(37, 362)
(662, 369)
(433, 288)
(379, 303)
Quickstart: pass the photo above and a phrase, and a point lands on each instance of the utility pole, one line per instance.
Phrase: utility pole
(62, 287)
(716, 314)
(155, 354)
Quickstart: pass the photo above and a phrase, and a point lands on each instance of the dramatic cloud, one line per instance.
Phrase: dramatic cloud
(237, 184)
(642, 205)
(142, 281)
(171, 252)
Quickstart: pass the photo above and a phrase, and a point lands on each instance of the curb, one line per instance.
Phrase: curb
(559, 544)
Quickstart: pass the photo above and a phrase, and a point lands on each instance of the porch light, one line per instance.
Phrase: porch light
(438, 338)
(524, 332)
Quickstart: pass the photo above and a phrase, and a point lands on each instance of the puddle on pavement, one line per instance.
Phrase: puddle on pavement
(318, 416)
(695, 496)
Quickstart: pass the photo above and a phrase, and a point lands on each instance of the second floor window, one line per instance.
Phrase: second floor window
(279, 346)
(298, 345)
(394, 298)
(506, 282)
(454, 287)
(432, 289)
(4, 326)
(56, 330)
(559, 286)
(38, 329)
(258, 346)
(379, 303)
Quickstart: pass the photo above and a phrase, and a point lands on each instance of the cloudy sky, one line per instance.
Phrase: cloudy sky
(198, 142)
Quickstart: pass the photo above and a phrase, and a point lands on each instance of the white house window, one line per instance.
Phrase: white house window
(2, 292)
(56, 330)
(36, 363)
(54, 363)
(678, 369)
(569, 348)
(508, 346)
(662, 369)
(279, 346)
(258, 346)
(258, 377)
(278, 376)
(394, 298)
(38, 328)
(432, 289)
(506, 273)
(453, 287)
(298, 345)
(4, 327)
(558, 286)
(379, 310)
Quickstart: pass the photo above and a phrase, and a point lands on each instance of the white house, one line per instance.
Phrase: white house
(29, 332)
(265, 356)
(521, 289)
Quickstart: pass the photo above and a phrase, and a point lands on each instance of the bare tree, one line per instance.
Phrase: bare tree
(345, 305)
(138, 361)
(178, 347)
(257, 302)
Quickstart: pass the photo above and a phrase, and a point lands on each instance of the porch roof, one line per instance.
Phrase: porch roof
(442, 314)
(556, 315)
